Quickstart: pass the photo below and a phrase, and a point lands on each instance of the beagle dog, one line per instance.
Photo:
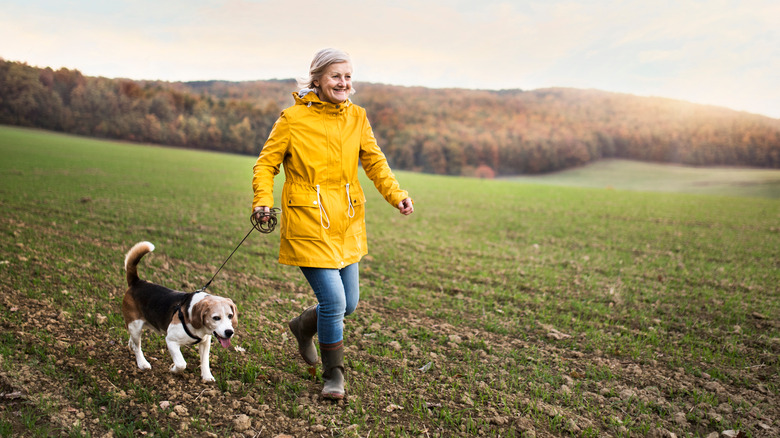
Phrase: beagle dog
(184, 318)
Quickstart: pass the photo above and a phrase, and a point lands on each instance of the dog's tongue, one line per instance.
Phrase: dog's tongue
(224, 341)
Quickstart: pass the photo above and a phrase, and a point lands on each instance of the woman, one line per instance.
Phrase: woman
(321, 140)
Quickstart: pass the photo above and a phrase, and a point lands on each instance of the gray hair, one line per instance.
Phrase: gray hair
(322, 60)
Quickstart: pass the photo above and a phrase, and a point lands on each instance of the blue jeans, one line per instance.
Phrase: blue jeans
(338, 292)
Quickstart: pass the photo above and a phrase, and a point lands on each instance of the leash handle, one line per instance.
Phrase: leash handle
(268, 226)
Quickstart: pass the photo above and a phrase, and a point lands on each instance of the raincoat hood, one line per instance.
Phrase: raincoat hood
(309, 97)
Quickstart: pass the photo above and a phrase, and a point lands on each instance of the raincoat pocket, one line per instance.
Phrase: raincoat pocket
(302, 218)
(357, 200)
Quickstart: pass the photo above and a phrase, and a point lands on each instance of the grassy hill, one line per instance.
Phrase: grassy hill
(498, 309)
(653, 177)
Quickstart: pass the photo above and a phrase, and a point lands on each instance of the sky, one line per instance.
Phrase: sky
(716, 52)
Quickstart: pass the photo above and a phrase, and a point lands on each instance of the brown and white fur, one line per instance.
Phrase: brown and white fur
(150, 304)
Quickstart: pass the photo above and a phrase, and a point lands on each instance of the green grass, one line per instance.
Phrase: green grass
(662, 295)
(655, 177)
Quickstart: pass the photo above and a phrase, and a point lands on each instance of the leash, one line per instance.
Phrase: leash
(263, 227)
(259, 225)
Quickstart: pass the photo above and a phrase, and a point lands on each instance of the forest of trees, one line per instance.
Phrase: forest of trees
(442, 131)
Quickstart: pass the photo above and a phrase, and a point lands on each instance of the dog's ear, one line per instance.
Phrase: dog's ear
(198, 313)
(234, 311)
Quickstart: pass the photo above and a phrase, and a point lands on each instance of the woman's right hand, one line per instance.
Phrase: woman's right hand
(259, 214)
(406, 207)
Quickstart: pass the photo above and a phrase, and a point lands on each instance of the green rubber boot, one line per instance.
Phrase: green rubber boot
(304, 327)
(333, 370)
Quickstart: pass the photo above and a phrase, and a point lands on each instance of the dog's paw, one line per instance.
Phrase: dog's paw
(144, 365)
(177, 369)
(208, 378)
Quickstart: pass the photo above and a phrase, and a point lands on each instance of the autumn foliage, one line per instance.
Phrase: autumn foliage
(444, 131)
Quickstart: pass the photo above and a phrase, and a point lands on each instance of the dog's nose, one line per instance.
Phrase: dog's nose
(228, 333)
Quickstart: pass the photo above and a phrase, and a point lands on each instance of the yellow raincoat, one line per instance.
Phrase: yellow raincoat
(321, 145)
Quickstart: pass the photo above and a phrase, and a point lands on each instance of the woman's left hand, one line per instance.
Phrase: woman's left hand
(406, 207)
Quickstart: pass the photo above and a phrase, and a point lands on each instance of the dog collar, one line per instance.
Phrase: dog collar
(184, 325)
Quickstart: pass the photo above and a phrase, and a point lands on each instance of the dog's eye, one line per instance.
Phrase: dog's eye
(217, 318)
(230, 316)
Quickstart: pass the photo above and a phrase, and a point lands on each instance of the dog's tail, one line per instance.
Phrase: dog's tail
(133, 257)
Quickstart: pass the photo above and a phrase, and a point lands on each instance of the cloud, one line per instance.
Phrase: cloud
(651, 56)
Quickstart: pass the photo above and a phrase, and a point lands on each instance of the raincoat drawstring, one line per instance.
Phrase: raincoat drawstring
(349, 205)
(322, 209)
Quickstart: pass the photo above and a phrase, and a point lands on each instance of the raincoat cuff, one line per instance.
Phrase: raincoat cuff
(398, 197)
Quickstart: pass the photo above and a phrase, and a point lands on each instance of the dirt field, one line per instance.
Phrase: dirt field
(178, 403)
(497, 309)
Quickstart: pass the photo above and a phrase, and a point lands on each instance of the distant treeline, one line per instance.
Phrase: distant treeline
(443, 131)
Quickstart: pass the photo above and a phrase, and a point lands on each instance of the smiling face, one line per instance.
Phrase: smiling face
(335, 84)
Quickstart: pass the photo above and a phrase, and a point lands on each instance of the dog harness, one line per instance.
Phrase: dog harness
(184, 325)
